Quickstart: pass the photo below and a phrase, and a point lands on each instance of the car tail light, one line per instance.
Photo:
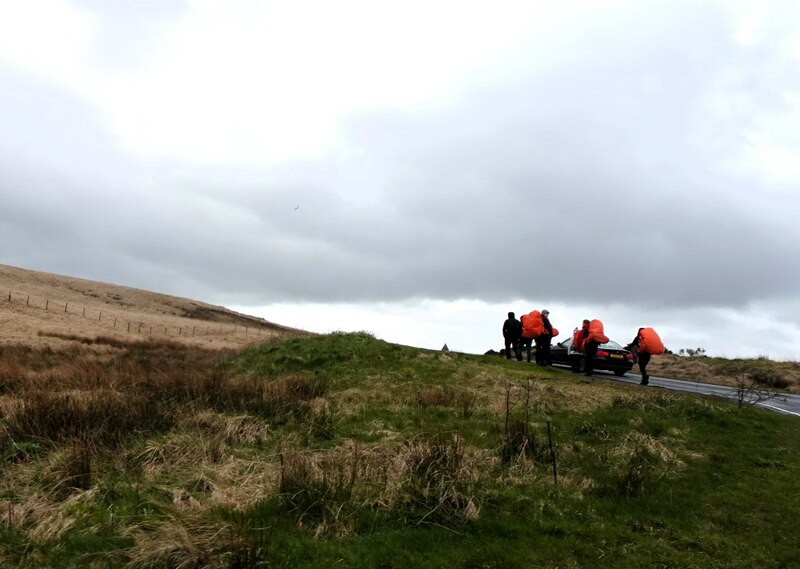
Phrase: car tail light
(629, 356)
(602, 354)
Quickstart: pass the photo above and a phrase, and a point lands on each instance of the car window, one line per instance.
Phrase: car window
(611, 344)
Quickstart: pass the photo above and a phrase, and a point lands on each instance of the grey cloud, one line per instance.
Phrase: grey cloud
(589, 181)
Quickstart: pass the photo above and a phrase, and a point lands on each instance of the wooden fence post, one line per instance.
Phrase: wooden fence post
(28, 302)
(66, 304)
(129, 326)
(101, 316)
(84, 312)
(46, 303)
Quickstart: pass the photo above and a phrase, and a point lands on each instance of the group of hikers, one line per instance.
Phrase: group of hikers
(535, 328)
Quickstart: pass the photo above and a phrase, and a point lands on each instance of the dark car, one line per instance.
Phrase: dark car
(610, 356)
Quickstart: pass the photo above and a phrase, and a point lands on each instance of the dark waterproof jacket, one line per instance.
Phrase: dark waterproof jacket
(548, 328)
(512, 329)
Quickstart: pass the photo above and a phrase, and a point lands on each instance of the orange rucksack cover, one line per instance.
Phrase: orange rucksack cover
(650, 342)
(596, 332)
(577, 339)
(555, 332)
(532, 326)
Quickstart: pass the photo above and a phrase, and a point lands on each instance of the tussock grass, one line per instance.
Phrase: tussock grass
(640, 461)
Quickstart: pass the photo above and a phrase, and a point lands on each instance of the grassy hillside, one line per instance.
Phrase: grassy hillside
(39, 308)
(345, 450)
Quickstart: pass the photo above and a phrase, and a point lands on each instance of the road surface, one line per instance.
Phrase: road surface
(783, 403)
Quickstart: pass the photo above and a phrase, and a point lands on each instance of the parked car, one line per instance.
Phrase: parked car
(610, 356)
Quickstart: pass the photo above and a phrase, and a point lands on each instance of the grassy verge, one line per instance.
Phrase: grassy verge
(760, 372)
(345, 450)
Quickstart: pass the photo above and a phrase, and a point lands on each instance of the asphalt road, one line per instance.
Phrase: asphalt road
(782, 403)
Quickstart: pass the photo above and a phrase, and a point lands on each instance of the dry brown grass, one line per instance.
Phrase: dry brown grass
(783, 375)
(54, 310)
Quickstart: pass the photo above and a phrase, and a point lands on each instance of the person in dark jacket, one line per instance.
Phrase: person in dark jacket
(512, 330)
(644, 345)
(642, 357)
(544, 340)
(589, 348)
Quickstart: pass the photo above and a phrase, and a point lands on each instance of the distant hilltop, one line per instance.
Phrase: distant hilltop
(43, 308)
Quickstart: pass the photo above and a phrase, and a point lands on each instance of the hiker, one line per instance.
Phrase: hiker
(646, 343)
(512, 330)
(592, 336)
(531, 328)
(543, 340)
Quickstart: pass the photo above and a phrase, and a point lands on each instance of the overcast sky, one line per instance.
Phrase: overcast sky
(416, 169)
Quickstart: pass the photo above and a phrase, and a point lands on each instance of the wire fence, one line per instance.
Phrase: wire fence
(114, 321)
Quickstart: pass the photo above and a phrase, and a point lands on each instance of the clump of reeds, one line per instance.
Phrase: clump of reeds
(639, 462)
(438, 481)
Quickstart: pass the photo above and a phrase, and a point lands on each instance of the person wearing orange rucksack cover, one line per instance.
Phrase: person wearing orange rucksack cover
(579, 336)
(544, 339)
(532, 327)
(593, 336)
(646, 343)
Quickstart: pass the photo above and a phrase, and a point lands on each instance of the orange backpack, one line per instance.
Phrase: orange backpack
(650, 342)
(532, 326)
(596, 332)
(578, 339)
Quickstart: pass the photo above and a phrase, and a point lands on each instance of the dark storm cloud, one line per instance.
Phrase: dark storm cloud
(593, 178)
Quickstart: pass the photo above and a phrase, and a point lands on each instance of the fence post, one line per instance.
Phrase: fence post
(9, 296)
(115, 321)
(84, 312)
(140, 328)
(28, 302)
(165, 330)
(180, 331)
(129, 326)
(46, 303)
(151, 330)
(66, 305)
(193, 330)
(101, 316)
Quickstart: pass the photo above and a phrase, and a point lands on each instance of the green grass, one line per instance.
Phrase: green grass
(393, 457)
